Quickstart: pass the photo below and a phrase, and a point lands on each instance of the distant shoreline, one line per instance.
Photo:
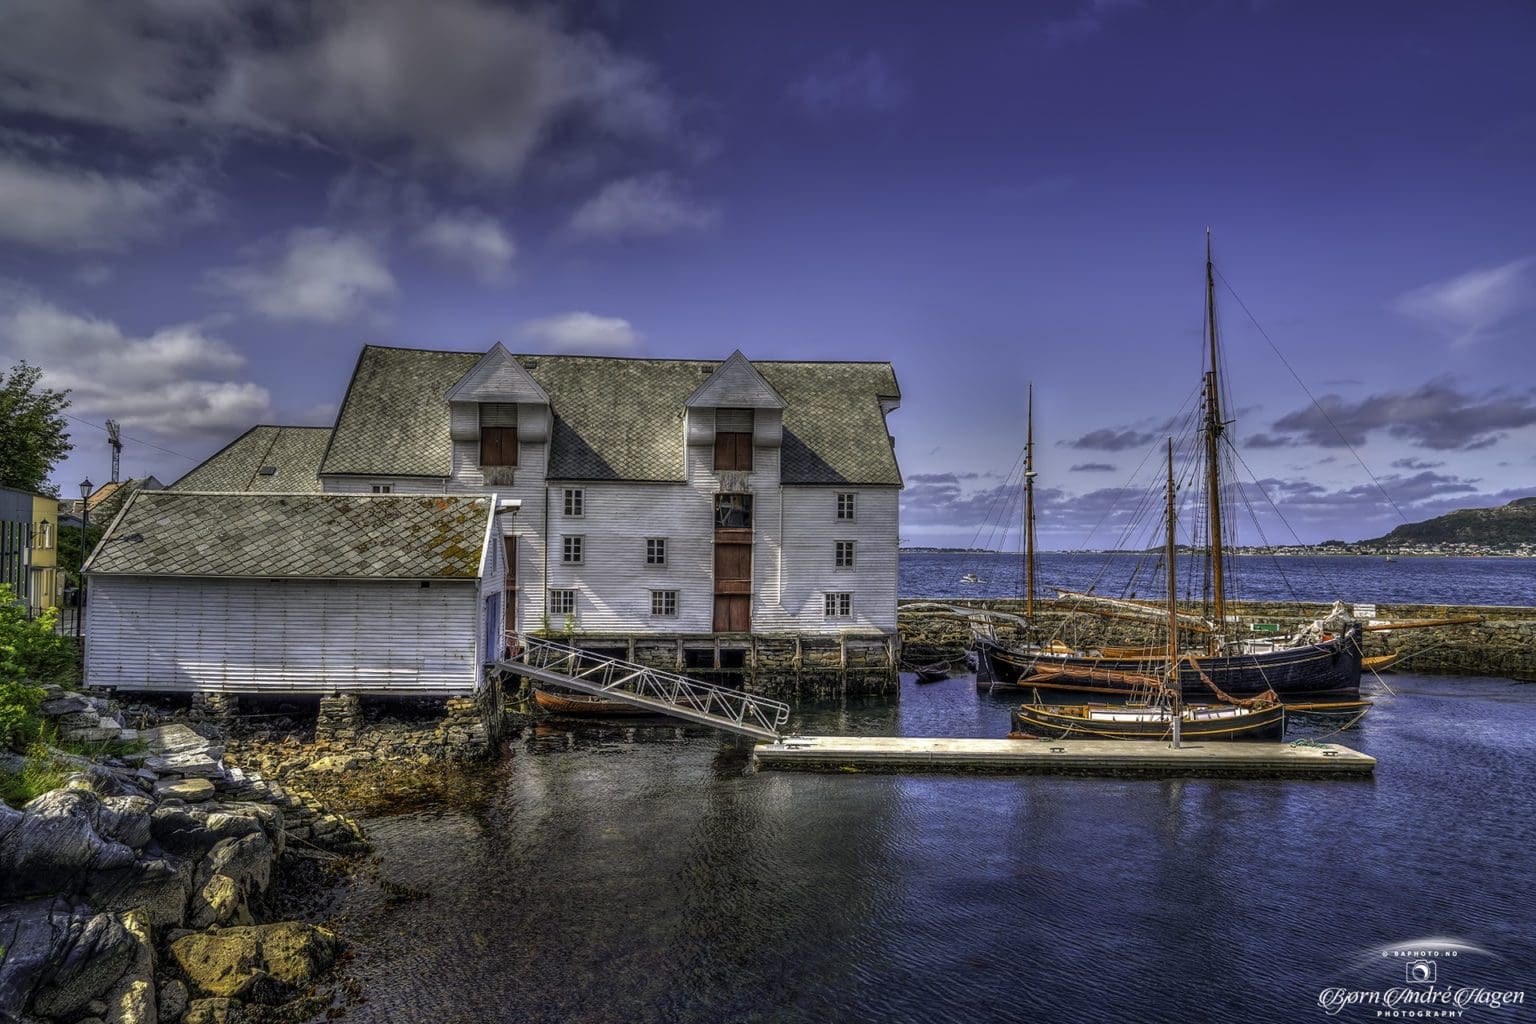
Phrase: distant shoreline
(1278, 552)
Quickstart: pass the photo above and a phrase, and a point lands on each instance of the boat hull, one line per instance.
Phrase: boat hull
(572, 704)
(1330, 669)
(1101, 721)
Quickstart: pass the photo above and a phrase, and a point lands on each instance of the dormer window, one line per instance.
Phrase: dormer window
(733, 439)
(498, 434)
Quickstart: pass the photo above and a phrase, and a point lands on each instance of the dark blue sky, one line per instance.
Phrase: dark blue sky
(206, 210)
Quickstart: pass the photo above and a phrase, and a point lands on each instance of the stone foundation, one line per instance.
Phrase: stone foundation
(215, 705)
(469, 727)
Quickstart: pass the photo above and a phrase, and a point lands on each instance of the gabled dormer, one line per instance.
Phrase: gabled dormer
(735, 410)
(495, 410)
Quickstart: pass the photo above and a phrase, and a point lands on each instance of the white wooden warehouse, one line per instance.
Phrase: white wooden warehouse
(308, 593)
(658, 497)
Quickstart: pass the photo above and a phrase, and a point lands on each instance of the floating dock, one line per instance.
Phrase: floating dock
(1061, 757)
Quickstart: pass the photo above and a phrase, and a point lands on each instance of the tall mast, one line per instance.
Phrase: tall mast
(1213, 431)
(1174, 692)
(1029, 510)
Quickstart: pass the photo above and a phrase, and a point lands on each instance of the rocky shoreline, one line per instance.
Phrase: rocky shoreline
(139, 890)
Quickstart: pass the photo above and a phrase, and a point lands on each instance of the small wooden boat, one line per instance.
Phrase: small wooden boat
(1380, 662)
(932, 673)
(582, 704)
(969, 577)
(1119, 722)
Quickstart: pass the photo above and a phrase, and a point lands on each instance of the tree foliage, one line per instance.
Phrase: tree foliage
(31, 652)
(32, 429)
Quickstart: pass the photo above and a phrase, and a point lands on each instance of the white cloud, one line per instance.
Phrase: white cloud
(94, 274)
(319, 274)
(1471, 304)
(175, 382)
(646, 205)
(471, 239)
(467, 83)
(72, 209)
(1088, 19)
(582, 332)
(847, 84)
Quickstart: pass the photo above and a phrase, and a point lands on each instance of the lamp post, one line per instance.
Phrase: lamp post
(85, 529)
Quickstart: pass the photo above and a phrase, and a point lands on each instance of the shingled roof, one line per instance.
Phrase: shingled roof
(274, 536)
(292, 454)
(614, 419)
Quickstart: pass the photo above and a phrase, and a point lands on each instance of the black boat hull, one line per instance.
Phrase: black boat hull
(1321, 671)
(1047, 722)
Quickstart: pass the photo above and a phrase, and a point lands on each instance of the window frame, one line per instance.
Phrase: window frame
(566, 600)
(661, 597)
(382, 488)
(574, 498)
(660, 549)
(852, 506)
(745, 506)
(838, 604)
(839, 548)
(573, 544)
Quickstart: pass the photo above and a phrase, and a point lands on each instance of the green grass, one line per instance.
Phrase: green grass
(40, 772)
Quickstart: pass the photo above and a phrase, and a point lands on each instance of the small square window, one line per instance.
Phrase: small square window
(574, 501)
(656, 551)
(845, 505)
(562, 602)
(383, 488)
(845, 554)
(839, 606)
(664, 603)
(573, 550)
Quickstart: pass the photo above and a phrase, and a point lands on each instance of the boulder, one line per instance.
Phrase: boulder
(54, 846)
(95, 953)
(193, 791)
(125, 819)
(64, 704)
(193, 831)
(156, 886)
(172, 1001)
(132, 999)
(233, 872)
(263, 963)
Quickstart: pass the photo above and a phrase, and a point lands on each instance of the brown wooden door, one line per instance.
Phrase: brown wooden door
(733, 580)
(733, 613)
(510, 598)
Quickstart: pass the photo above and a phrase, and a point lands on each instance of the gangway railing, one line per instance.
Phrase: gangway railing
(666, 693)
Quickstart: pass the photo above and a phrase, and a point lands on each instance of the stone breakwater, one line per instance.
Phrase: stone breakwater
(1502, 644)
(131, 893)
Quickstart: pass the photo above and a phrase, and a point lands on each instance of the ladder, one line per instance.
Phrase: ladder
(667, 693)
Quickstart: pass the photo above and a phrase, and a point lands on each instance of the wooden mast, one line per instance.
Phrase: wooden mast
(1213, 431)
(1029, 510)
(1175, 705)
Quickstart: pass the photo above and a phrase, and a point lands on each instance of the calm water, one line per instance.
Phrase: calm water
(646, 875)
(1496, 581)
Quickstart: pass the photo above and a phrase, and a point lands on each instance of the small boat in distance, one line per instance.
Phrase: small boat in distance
(969, 577)
(932, 673)
(582, 704)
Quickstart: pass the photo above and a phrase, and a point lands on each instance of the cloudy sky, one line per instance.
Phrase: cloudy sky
(206, 208)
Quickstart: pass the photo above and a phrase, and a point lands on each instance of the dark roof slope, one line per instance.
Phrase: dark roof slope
(293, 452)
(172, 533)
(614, 419)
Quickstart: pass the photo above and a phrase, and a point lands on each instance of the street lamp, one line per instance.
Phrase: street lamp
(85, 526)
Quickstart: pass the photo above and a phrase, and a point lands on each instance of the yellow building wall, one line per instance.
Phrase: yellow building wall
(47, 584)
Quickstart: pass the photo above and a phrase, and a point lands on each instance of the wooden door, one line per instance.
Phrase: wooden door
(733, 580)
(511, 587)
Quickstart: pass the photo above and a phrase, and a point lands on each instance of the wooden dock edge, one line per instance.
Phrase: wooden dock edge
(895, 754)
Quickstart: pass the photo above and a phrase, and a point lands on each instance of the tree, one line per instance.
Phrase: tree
(32, 435)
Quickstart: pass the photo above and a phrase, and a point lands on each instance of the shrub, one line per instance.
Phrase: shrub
(30, 653)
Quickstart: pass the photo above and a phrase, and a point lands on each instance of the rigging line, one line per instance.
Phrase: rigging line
(125, 437)
(1280, 515)
(1312, 398)
(987, 520)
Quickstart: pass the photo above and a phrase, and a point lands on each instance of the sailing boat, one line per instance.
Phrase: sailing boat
(1007, 663)
(1322, 660)
(1166, 714)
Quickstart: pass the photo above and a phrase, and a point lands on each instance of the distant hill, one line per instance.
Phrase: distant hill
(1502, 526)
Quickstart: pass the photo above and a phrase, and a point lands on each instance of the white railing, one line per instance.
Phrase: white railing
(644, 687)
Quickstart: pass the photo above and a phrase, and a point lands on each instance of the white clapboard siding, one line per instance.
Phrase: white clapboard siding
(282, 636)
(613, 585)
(810, 566)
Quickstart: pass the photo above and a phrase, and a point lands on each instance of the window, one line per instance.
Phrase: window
(562, 602)
(383, 488)
(845, 554)
(656, 551)
(44, 535)
(574, 501)
(498, 434)
(573, 550)
(733, 511)
(840, 606)
(845, 506)
(664, 603)
(733, 439)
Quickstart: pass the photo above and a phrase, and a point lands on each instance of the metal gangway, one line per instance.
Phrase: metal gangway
(665, 693)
